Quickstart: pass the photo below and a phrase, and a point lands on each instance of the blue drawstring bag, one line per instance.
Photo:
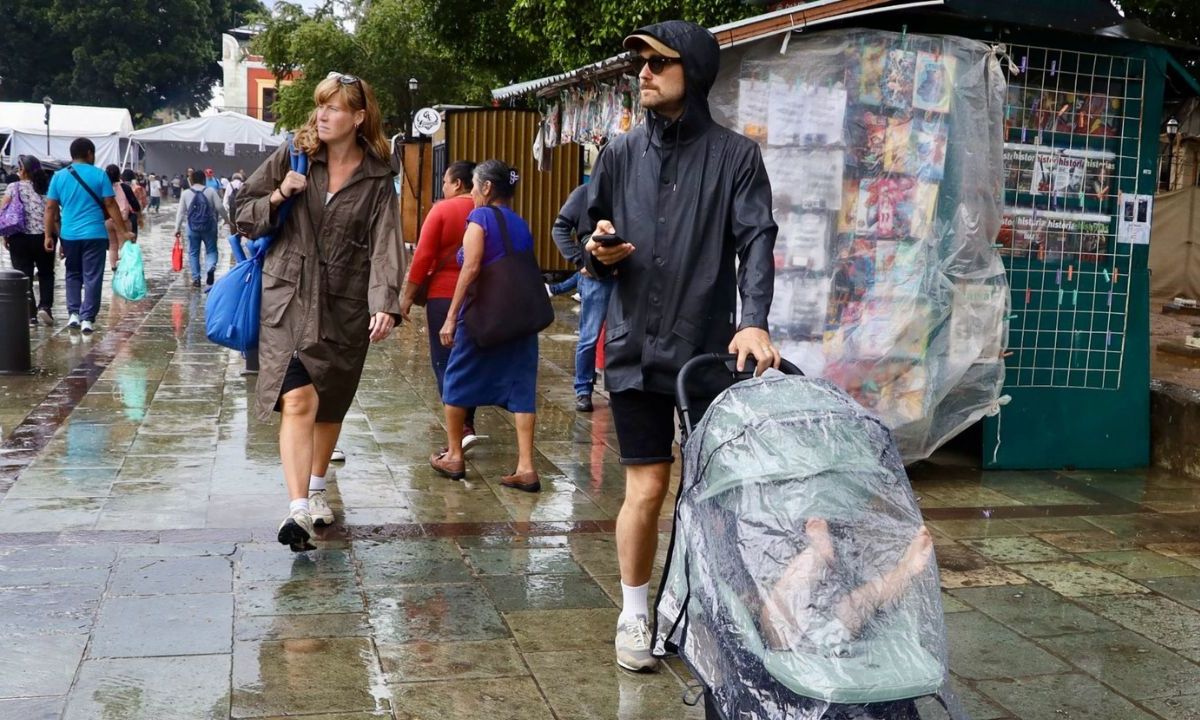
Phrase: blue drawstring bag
(231, 312)
(129, 280)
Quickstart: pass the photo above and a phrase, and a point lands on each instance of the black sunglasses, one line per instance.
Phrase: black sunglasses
(345, 79)
(657, 63)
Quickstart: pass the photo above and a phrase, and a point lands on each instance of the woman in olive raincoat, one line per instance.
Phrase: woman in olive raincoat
(331, 284)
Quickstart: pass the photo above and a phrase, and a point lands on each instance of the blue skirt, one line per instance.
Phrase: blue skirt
(504, 376)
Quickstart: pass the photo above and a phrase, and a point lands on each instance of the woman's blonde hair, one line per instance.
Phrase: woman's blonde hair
(355, 96)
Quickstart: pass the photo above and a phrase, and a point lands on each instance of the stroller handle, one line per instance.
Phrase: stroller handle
(682, 400)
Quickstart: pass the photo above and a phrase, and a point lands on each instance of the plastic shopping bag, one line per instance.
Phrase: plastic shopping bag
(129, 280)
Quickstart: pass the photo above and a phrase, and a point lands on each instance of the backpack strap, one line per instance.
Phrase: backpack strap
(90, 191)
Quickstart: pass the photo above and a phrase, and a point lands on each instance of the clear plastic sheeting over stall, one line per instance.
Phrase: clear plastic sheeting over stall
(886, 161)
(801, 582)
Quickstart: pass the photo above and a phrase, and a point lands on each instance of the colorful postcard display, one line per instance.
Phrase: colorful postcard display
(1035, 112)
(855, 132)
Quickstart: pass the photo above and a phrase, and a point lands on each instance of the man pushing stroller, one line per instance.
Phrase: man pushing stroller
(675, 202)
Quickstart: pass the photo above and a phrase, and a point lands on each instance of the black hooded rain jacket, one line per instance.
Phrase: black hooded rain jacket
(691, 196)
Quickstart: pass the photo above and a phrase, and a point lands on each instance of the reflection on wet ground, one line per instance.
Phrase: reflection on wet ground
(139, 576)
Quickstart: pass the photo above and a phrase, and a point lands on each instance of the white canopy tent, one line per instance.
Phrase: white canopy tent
(24, 125)
(226, 142)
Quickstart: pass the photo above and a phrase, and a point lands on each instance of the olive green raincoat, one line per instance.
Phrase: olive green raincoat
(331, 267)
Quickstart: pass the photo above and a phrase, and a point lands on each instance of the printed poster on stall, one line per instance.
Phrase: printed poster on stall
(1074, 179)
(1054, 236)
(1133, 227)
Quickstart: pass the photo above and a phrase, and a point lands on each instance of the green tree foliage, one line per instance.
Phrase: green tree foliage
(457, 49)
(479, 37)
(144, 55)
(576, 32)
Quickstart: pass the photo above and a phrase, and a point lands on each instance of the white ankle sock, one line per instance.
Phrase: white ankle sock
(296, 505)
(315, 483)
(634, 601)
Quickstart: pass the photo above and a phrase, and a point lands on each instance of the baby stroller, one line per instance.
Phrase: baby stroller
(800, 581)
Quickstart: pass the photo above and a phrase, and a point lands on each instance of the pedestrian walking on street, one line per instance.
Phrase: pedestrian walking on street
(77, 203)
(127, 199)
(504, 375)
(124, 204)
(230, 199)
(571, 230)
(176, 184)
(323, 300)
(27, 250)
(201, 208)
(210, 180)
(687, 197)
(435, 269)
(139, 191)
(155, 193)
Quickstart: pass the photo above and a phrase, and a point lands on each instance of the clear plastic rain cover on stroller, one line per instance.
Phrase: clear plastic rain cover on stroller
(801, 583)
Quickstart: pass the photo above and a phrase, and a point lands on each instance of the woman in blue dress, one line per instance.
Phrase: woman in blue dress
(504, 375)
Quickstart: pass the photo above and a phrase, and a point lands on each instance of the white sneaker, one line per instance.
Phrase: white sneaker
(86, 327)
(469, 439)
(318, 508)
(548, 290)
(633, 645)
(338, 455)
(296, 531)
(577, 298)
(73, 321)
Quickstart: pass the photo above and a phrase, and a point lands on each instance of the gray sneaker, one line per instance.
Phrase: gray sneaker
(296, 532)
(633, 645)
(318, 508)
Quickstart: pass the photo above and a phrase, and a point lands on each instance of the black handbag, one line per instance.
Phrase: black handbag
(508, 299)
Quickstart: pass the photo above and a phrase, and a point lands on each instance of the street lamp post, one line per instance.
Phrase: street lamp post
(1172, 133)
(46, 103)
(413, 86)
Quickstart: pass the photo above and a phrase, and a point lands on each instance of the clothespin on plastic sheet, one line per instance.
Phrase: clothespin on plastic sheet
(787, 37)
(904, 36)
(1000, 52)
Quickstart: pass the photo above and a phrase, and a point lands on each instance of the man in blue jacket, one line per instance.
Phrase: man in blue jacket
(692, 202)
(571, 229)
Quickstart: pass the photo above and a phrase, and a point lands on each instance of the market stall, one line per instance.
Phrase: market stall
(23, 131)
(1012, 268)
(226, 142)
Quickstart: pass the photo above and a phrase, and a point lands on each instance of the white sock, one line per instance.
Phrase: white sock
(315, 483)
(296, 505)
(634, 601)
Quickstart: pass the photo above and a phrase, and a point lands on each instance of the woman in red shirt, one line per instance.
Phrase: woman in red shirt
(434, 262)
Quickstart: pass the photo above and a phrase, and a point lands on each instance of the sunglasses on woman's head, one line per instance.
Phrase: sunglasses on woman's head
(657, 63)
(344, 79)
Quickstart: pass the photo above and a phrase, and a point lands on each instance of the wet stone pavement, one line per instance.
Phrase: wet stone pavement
(140, 579)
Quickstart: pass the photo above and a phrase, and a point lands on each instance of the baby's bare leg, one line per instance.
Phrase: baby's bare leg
(859, 606)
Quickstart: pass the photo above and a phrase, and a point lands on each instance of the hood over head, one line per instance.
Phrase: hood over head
(701, 56)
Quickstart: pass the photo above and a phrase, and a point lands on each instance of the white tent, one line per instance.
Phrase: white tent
(225, 142)
(24, 125)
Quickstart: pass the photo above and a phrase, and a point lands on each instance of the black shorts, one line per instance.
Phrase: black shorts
(646, 423)
(296, 376)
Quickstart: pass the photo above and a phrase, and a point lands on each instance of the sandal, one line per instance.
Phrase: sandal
(446, 467)
(527, 482)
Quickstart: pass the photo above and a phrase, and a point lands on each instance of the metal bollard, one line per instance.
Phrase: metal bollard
(14, 323)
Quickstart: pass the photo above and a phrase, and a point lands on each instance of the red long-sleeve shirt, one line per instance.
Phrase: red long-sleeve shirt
(441, 236)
